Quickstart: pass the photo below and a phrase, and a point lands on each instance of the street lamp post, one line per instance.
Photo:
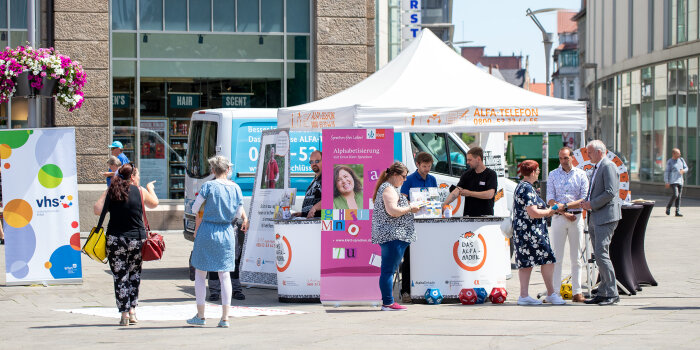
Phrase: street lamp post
(547, 41)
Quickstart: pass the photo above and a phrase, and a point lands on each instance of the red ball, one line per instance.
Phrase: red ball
(467, 296)
(498, 295)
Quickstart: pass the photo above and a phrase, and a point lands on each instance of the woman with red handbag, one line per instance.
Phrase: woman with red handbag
(215, 237)
(126, 234)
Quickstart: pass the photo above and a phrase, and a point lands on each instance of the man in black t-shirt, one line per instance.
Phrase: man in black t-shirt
(478, 185)
(311, 207)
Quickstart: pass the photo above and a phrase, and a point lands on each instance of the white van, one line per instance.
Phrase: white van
(235, 133)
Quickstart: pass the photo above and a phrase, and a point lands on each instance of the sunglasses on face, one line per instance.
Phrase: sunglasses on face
(312, 162)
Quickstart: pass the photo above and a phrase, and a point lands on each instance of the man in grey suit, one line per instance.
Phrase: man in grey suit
(603, 203)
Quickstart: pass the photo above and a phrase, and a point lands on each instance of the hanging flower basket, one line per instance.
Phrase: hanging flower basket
(26, 71)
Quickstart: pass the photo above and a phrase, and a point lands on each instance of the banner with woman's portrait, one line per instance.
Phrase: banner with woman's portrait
(350, 263)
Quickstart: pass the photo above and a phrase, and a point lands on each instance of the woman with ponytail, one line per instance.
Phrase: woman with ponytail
(126, 234)
(392, 228)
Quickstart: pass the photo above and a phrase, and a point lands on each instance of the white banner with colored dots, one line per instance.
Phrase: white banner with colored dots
(40, 201)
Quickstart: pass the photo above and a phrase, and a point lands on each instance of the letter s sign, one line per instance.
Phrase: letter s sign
(414, 18)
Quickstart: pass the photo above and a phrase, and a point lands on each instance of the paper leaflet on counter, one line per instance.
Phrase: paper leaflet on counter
(430, 199)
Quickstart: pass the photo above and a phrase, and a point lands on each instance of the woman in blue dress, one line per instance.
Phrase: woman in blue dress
(530, 236)
(215, 238)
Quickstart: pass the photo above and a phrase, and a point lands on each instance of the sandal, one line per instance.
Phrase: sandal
(132, 318)
(124, 321)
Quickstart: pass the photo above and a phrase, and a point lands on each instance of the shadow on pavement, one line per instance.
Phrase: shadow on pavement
(165, 273)
(350, 311)
(165, 300)
(670, 308)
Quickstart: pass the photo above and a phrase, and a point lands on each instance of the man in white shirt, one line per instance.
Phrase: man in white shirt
(567, 187)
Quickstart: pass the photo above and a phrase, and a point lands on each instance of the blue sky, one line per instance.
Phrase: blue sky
(501, 26)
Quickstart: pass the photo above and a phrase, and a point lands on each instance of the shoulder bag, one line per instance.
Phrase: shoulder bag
(154, 247)
(96, 244)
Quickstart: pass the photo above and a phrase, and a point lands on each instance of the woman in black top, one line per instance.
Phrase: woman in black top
(125, 235)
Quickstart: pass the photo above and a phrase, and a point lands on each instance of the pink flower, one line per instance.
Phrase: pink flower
(43, 74)
(63, 81)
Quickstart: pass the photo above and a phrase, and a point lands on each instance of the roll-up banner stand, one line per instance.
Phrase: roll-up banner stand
(350, 263)
(271, 194)
(40, 201)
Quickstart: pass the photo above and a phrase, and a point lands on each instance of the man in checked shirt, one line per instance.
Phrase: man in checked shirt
(567, 187)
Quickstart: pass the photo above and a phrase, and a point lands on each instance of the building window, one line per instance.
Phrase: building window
(572, 89)
(13, 33)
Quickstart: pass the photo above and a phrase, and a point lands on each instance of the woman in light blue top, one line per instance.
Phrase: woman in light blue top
(215, 238)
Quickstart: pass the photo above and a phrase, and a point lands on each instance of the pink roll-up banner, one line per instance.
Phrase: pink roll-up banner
(353, 159)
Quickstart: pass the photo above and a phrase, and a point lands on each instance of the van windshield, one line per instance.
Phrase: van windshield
(202, 146)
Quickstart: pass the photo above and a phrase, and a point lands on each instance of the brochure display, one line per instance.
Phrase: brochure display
(40, 200)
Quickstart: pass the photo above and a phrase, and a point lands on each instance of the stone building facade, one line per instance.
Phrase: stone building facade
(342, 53)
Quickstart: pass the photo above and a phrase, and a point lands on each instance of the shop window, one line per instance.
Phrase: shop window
(691, 155)
(297, 47)
(224, 15)
(682, 30)
(18, 14)
(692, 20)
(124, 45)
(123, 14)
(200, 15)
(151, 14)
(248, 18)
(212, 46)
(3, 14)
(298, 16)
(176, 15)
(273, 17)
(297, 83)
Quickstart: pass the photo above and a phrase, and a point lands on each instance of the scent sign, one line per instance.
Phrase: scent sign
(184, 101)
(236, 100)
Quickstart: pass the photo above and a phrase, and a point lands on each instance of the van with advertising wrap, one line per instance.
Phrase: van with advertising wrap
(235, 133)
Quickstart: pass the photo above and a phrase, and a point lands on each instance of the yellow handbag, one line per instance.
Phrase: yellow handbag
(96, 245)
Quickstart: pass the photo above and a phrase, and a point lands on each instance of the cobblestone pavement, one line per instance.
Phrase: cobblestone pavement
(666, 316)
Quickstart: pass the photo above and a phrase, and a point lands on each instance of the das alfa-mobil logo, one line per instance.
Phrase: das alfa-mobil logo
(284, 253)
(470, 251)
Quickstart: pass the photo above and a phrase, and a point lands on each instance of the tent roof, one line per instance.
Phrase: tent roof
(430, 82)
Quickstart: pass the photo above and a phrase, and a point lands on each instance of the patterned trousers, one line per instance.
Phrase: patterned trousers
(124, 256)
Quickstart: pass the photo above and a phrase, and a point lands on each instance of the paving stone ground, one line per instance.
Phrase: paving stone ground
(666, 316)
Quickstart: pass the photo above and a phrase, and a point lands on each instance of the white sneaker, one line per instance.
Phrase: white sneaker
(528, 300)
(554, 299)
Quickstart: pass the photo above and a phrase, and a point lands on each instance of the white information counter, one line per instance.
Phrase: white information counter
(298, 250)
(455, 253)
(450, 254)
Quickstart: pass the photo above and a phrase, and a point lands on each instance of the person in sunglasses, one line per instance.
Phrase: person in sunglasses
(311, 207)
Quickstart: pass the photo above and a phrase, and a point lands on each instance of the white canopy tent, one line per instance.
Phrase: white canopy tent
(429, 87)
